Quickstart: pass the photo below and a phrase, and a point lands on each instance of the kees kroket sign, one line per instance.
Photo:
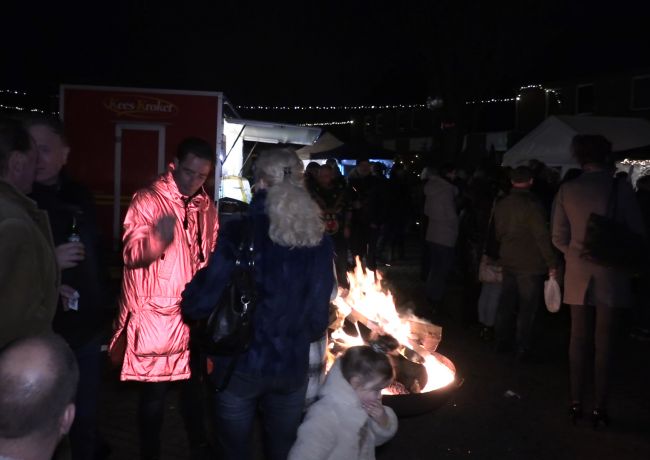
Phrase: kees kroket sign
(138, 106)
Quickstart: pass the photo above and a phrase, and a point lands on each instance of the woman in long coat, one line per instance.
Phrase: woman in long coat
(293, 272)
(596, 294)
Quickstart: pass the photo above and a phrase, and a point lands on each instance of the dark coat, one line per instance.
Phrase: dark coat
(293, 285)
(29, 275)
(574, 202)
(64, 202)
(522, 233)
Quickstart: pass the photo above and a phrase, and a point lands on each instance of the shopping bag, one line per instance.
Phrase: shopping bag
(552, 295)
(489, 271)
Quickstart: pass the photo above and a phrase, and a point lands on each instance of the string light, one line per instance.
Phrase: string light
(331, 107)
(328, 123)
(530, 86)
(627, 161)
(493, 100)
(518, 97)
(18, 108)
(23, 109)
(11, 91)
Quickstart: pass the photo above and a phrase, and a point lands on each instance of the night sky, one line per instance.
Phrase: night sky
(321, 52)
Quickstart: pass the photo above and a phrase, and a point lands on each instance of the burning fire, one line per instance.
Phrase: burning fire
(367, 302)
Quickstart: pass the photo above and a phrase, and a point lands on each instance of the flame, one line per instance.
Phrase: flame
(438, 374)
(367, 297)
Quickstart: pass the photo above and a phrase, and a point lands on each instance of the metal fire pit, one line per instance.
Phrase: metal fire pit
(407, 360)
(412, 404)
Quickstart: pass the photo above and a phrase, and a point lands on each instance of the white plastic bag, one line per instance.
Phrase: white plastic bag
(552, 295)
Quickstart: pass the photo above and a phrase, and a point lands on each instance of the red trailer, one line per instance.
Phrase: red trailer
(122, 138)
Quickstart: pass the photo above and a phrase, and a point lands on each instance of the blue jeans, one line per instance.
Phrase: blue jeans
(84, 429)
(522, 296)
(281, 403)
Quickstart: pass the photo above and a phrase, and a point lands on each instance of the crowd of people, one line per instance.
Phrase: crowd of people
(529, 225)
(304, 228)
(367, 214)
(177, 263)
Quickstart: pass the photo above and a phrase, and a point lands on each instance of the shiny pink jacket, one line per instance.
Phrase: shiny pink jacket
(154, 277)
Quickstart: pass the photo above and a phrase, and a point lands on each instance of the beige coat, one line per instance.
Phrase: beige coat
(29, 275)
(440, 208)
(574, 202)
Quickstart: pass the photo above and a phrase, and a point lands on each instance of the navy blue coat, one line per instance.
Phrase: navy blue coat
(293, 287)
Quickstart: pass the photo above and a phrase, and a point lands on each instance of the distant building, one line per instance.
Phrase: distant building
(497, 124)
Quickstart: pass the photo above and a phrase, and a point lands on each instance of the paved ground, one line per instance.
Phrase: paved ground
(480, 421)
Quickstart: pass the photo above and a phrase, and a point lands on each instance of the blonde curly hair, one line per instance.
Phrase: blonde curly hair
(295, 219)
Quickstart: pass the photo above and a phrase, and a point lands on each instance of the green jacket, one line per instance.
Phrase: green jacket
(523, 234)
(29, 275)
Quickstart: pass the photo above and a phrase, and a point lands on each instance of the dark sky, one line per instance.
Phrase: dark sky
(326, 52)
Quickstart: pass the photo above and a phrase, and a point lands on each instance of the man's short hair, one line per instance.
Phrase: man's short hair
(13, 137)
(34, 403)
(591, 148)
(53, 123)
(197, 147)
(521, 174)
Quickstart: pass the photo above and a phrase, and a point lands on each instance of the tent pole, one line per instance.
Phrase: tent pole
(247, 158)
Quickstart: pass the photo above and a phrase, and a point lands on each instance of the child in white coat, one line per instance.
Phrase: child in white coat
(348, 420)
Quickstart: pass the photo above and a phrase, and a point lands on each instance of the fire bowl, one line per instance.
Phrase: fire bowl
(413, 404)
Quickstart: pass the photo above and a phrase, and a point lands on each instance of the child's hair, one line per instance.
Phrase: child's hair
(366, 363)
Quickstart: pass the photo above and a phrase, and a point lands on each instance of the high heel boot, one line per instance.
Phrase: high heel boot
(599, 417)
(575, 412)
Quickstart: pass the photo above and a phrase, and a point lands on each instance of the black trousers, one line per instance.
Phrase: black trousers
(591, 348)
(152, 408)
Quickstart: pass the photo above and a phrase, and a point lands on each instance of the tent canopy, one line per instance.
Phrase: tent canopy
(550, 141)
(328, 146)
(275, 133)
(355, 151)
(324, 143)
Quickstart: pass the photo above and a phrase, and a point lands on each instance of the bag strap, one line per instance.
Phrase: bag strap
(612, 201)
(226, 377)
(489, 225)
(245, 282)
(246, 265)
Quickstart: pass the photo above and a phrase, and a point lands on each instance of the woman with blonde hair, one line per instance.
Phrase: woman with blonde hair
(293, 274)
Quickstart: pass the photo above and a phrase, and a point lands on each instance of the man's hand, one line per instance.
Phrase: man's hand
(552, 273)
(68, 255)
(66, 292)
(165, 228)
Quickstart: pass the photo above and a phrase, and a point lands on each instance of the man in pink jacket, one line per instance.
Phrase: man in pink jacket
(170, 230)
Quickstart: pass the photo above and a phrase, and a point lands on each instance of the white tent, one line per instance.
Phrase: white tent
(550, 141)
(324, 143)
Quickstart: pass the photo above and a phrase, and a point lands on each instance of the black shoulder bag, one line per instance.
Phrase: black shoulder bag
(229, 329)
(609, 242)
